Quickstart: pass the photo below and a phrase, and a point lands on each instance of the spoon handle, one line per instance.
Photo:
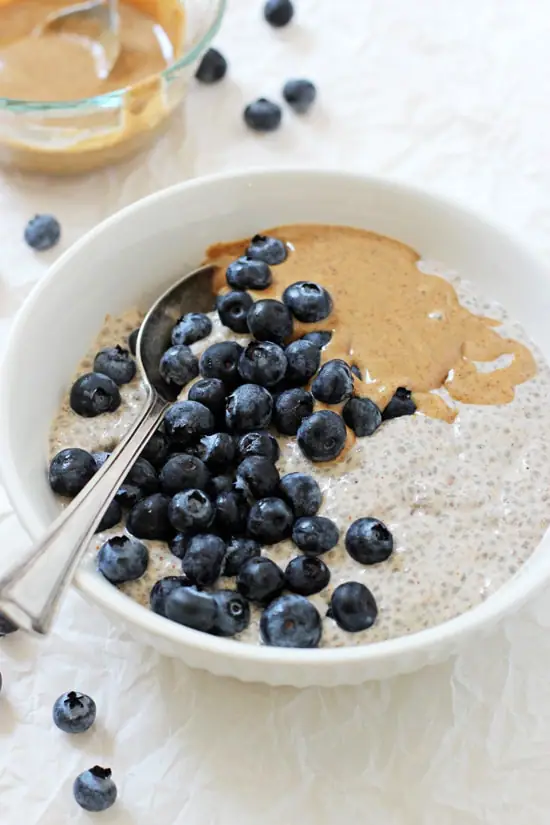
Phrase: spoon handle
(31, 590)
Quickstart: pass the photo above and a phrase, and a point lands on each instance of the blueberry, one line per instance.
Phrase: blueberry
(116, 363)
(144, 476)
(319, 337)
(202, 562)
(161, 590)
(270, 320)
(353, 607)
(221, 361)
(302, 493)
(303, 358)
(179, 544)
(369, 541)
(128, 495)
(156, 449)
(401, 404)
(186, 421)
(191, 510)
(192, 327)
(179, 365)
(291, 408)
(322, 436)
(257, 477)
(270, 520)
(148, 519)
(219, 484)
(333, 383)
(258, 443)
(356, 371)
(238, 551)
(132, 341)
(278, 13)
(265, 248)
(191, 608)
(6, 626)
(100, 459)
(248, 273)
(70, 471)
(362, 416)
(264, 363)
(93, 394)
(291, 621)
(233, 310)
(211, 392)
(263, 115)
(74, 712)
(217, 451)
(233, 614)
(248, 408)
(260, 580)
(230, 513)
(111, 516)
(94, 790)
(309, 302)
(122, 559)
(306, 575)
(212, 67)
(42, 232)
(315, 534)
(182, 472)
(299, 94)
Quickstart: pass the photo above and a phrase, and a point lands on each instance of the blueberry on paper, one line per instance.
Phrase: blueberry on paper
(299, 94)
(263, 115)
(74, 712)
(278, 13)
(94, 790)
(212, 67)
(42, 232)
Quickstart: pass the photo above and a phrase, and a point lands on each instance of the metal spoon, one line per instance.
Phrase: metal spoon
(98, 21)
(31, 590)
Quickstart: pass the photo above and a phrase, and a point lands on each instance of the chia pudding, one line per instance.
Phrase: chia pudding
(462, 484)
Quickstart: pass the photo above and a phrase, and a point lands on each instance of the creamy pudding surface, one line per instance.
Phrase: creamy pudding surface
(463, 484)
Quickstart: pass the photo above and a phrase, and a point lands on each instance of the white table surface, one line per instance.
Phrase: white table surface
(448, 94)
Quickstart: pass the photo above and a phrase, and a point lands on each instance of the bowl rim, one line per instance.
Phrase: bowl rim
(512, 594)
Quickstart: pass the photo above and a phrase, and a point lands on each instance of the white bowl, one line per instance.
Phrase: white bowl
(131, 258)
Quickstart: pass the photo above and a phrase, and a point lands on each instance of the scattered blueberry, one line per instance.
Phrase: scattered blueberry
(181, 472)
(309, 302)
(248, 273)
(161, 589)
(302, 493)
(319, 337)
(116, 363)
(132, 341)
(93, 394)
(322, 436)
(315, 534)
(257, 477)
(217, 451)
(300, 95)
(362, 416)
(219, 484)
(148, 519)
(74, 712)
(306, 575)
(270, 520)
(356, 371)
(42, 232)
(6, 626)
(233, 310)
(268, 249)
(401, 404)
(291, 621)
(270, 320)
(233, 614)
(94, 790)
(260, 580)
(263, 115)
(122, 559)
(369, 541)
(191, 608)
(179, 365)
(238, 551)
(212, 67)
(303, 358)
(258, 443)
(249, 408)
(278, 13)
(111, 516)
(144, 476)
(187, 420)
(70, 471)
(192, 327)
(156, 449)
(230, 513)
(128, 495)
(221, 361)
(191, 510)
(263, 362)
(352, 606)
(202, 562)
(210, 392)
(100, 459)
(291, 408)
(333, 383)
